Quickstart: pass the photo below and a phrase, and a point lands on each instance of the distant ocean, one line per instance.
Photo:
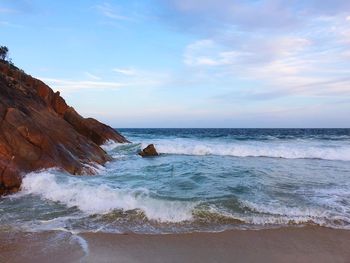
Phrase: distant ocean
(204, 180)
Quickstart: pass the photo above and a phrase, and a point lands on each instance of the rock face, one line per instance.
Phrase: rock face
(150, 150)
(39, 130)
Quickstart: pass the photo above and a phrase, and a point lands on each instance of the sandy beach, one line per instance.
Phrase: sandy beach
(304, 244)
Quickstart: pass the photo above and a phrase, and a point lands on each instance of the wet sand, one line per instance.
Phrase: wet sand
(303, 244)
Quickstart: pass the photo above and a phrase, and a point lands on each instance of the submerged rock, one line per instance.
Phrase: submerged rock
(150, 150)
(39, 130)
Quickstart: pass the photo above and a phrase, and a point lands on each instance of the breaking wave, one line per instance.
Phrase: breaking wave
(102, 199)
(288, 150)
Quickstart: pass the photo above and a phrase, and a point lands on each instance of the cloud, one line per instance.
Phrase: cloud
(285, 48)
(92, 76)
(18, 7)
(330, 7)
(204, 52)
(129, 78)
(282, 66)
(125, 71)
(207, 52)
(111, 12)
(7, 10)
(142, 78)
(74, 85)
(8, 24)
(209, 16)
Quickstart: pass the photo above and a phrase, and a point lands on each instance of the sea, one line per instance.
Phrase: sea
(204, 180)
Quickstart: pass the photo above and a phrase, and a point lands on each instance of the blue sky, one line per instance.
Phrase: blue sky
(189, 63)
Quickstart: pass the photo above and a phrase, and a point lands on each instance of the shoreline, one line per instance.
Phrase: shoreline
(287, 244)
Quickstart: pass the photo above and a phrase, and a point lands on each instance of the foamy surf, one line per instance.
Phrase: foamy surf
(94, 199)
(109, 145)
(281, 149)
(102, 199)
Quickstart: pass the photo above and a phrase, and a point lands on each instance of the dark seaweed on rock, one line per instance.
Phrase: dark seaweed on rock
(39, 130)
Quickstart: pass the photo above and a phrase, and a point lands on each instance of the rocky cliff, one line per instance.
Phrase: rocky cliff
(39, 130)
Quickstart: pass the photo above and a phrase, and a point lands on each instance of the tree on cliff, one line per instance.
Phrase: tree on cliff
(4, 52)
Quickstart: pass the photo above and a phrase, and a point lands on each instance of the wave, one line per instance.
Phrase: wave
(277, 214)
(102, 199)
(145, 208)
(265, 215)
(295, 149)
(110, 145)
(119, 150)
(288, 150)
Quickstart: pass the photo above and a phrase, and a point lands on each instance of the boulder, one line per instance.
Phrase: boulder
(150, 150)
(39, 130)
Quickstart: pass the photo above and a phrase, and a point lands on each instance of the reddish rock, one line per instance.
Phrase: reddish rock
(59, 104)
(150, 150)
(96, 131)
(39, 130)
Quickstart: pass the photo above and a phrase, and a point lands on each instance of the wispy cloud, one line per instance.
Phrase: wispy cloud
(18, 7)
(7, 10)
(310, 61)
(92, 76)
(9, 24)
(285, 49)
(207, 16)
(125, 71)
(142, 78)
(112, 12)
(128, 78)
(75, 85)
(254, 50)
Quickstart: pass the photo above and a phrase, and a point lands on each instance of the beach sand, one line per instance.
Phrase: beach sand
(292, 244)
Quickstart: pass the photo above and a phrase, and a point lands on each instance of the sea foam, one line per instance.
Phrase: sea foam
(102, 199)
(284, 149)
(110, 145)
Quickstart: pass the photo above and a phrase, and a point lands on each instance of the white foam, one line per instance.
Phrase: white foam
(95, 168)
(281, 210)
(82, 243)
(281, 215)
(109, 145)
(285, 149)
(267, 215)
(101, 199)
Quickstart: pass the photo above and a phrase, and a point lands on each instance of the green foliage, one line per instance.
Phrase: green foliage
(4, 58)
(4, 53)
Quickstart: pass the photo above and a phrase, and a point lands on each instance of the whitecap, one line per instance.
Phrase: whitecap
(283, 149)
(102, 199)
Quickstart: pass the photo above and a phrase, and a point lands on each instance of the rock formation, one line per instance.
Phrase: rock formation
(150, 150)
(39, 130)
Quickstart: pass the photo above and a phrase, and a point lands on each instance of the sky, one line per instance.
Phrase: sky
(189, 63)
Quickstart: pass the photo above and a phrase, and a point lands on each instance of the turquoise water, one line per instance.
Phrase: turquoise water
(204, 180)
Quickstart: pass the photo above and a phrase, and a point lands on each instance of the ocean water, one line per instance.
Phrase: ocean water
(204, 180)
